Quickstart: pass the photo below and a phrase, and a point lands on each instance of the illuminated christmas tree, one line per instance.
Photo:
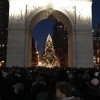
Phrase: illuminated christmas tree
(49, 57)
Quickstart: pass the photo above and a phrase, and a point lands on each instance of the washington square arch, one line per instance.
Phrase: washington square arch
(76, 15)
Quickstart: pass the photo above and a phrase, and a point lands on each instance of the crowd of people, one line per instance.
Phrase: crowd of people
(40, 83)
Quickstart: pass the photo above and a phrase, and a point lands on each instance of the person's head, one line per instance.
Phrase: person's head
(63, 90)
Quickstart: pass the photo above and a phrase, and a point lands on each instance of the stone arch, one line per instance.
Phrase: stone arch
(32, 20)
(38, 15)
(76, 20)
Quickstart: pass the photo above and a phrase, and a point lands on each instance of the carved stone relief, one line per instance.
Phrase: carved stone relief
(82, 21)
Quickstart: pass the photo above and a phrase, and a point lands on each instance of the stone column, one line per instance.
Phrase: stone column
(16, 47)
(19, 48)
(80, 49)
(84, 48)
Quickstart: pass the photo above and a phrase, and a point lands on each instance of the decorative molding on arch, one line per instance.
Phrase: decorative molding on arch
(43, 13)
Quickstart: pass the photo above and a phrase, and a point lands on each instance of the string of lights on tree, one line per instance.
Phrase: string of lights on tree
(49, 58)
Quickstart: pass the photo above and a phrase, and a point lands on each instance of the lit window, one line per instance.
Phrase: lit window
(98, 60)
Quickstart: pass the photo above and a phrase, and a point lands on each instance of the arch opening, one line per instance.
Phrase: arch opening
(57, 15)
(45, 14)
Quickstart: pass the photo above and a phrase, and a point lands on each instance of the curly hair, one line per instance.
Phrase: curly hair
(65, 88)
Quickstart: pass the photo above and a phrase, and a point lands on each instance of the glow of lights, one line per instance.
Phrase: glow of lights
(38, 56)
(98, 60)
(37, 52)
(2, 61)
(49, 58)
(39, 63)
(3, 45)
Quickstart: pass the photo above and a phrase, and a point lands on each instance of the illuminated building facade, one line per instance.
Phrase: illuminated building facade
(72, 13)
(4, 11)
(96, 46)
(60, 42)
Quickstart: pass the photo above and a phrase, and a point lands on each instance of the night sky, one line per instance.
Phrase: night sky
(41, 31)
(95, 13)
(45, 27)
